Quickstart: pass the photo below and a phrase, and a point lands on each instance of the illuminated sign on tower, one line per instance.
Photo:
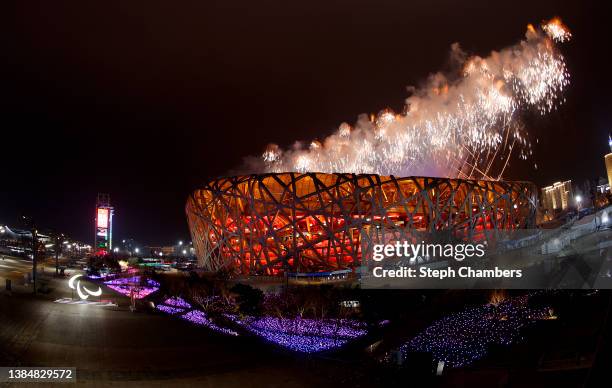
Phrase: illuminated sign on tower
(104, 225)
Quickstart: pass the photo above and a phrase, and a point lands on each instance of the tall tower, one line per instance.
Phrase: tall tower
(608, 159)
(104, 225)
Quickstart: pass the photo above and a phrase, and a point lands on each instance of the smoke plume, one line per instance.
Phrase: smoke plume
(460, 125)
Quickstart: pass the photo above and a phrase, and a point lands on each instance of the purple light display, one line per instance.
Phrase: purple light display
(169, 309)
(200, 318)
(461, 338)
(303, 335)
(126, 285)
(177, 302)
(297, 334)
(301, 343)
(179, 307)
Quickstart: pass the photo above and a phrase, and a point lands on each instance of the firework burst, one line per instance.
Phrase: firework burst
(463, 127)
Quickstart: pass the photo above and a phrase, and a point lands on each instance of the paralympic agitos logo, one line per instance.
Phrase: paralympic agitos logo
(84, 293)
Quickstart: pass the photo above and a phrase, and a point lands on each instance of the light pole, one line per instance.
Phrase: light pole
(30, 224)
(578, 202)
(59, 240)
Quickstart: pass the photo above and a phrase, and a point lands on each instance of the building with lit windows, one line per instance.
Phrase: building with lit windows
(271, 224)
(608, 159)
(557, 196)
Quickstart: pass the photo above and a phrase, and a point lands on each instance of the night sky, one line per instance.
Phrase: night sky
(145, 100)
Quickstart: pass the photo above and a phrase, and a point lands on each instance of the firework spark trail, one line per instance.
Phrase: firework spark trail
(465, 127)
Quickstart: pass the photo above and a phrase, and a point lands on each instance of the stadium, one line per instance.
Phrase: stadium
(278, 223)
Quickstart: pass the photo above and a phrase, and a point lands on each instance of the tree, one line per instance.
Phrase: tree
(249, 299)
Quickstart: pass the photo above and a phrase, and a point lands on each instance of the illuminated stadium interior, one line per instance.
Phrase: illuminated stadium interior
(270, 224)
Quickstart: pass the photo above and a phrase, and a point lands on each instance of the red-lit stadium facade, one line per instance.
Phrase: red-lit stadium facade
(270, 224)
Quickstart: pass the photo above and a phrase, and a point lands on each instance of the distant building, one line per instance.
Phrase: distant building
(161, 251)
(558, 196)
(603, 186)
(602, 192)
(608, 159)
(104, 225)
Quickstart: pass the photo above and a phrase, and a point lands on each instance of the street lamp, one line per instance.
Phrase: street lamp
(59, 241)
(136, 250)
(180, 243)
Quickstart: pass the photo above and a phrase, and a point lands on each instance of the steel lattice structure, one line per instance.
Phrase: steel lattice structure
(310, 222)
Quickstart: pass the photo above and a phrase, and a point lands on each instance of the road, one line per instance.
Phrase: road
(14, 268)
